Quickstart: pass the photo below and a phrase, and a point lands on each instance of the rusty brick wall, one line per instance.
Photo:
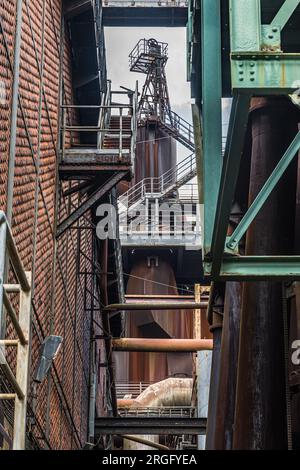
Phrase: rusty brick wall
(58, 408)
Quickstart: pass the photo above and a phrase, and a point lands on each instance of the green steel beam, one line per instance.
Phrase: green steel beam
(211, 111)
(264, 193)
(232, 158)
(265, 73)
(245, 25)
(285, 13)
(253, 268)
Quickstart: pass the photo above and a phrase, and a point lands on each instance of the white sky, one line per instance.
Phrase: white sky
(119, 44)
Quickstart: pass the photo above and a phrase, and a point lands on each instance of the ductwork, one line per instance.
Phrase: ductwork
(169, 392)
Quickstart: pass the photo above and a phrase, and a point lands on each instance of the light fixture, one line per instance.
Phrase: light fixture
(49, 351)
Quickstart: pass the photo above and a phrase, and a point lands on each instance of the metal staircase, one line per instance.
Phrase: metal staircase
(150, 57)
(180, 129)
(159, 187)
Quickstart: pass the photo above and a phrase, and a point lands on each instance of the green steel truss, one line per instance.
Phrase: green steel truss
(258, 67)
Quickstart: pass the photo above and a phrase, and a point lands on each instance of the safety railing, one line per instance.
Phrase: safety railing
(151, 222)
(160, 186)
(134, 389)
(107, 110)
(182, 127)
(21, 326)
(160, 412)
(189, 193)
(141, 57)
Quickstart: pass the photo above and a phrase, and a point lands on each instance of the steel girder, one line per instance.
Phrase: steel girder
(158, 426)
(258, 68)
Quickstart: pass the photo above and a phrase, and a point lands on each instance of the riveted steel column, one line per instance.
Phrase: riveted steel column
(245, 25)
(211, 112)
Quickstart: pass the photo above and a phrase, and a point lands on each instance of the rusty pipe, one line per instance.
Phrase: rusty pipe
(162, 345)
(125, 402)
(260, 409)
(156, 306)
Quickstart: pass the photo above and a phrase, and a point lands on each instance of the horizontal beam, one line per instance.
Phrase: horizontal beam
(162, 345)
(265, 73)
(158, 426)
(12, 288)
(167, 305)
(9, 342)
(8, 396)
(145, 16)
(251, 268)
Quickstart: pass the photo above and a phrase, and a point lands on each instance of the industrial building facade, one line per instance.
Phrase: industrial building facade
(34, 39)
(176, 327)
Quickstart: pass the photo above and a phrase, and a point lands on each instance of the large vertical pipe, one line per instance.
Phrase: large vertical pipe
(260, 415)
(294, 332)
(216, 329)
(228, 370)
(223, 438)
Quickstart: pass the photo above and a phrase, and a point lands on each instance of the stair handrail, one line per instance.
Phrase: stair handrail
(162, 184)
(104, 114)
(134, 125)
(180, 125)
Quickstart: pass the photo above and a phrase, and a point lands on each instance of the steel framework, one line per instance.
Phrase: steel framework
(258, 67)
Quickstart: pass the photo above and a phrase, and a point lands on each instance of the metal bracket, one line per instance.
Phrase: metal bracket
(270, 38)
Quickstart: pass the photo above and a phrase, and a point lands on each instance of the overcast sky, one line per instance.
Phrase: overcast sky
(119, 44)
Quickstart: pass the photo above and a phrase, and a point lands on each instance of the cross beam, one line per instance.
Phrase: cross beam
(158, 426)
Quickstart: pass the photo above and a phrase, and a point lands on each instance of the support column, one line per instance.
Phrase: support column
(228, 367)
(216, 329)
(260, 414)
